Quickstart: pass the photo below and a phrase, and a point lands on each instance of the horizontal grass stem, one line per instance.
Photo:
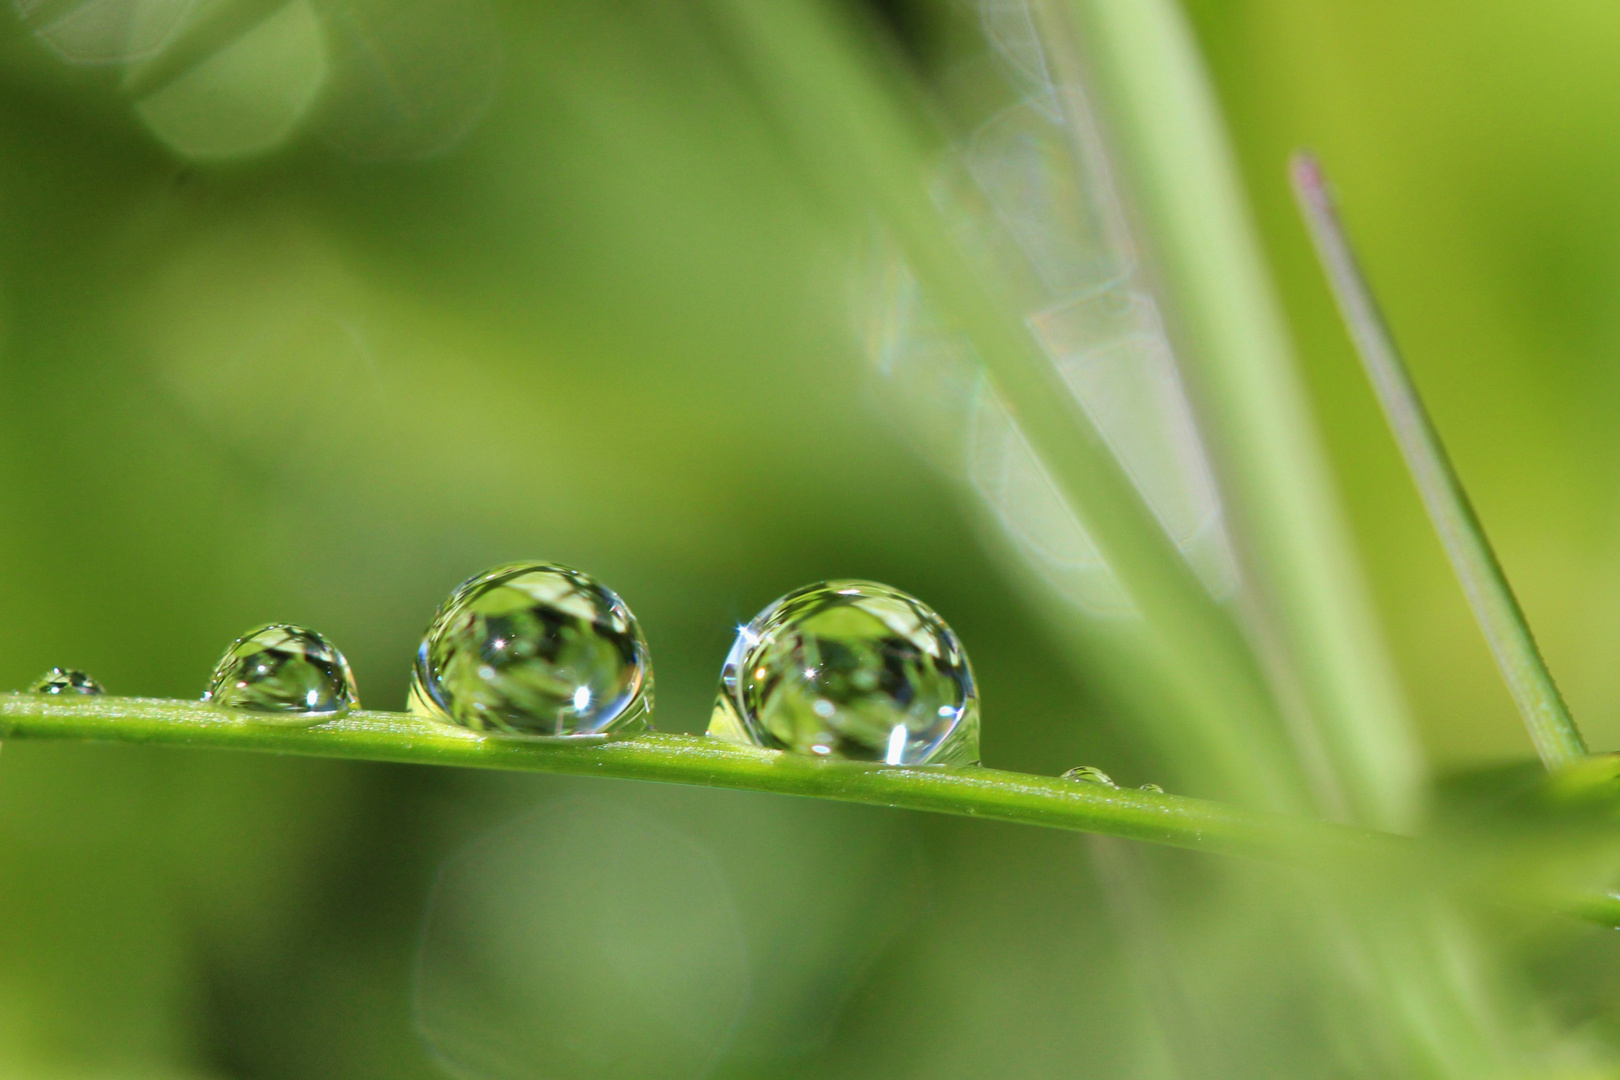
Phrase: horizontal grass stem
(991, 794)
(688, 759)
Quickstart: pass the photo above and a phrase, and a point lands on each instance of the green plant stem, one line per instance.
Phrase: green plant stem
(1164, 123)
(688, 759)
(1551, 726)
(990, 794)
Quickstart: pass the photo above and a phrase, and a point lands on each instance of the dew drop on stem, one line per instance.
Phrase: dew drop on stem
(60, 680)
(534, 649)
(1090, 774)
(284, 674)
(853, 670)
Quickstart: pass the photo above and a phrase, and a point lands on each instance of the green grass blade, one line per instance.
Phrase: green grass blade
(1551, 726)
(689, 759)
(844, 109)
(1142, 65)
(199, 36)
(990, 794)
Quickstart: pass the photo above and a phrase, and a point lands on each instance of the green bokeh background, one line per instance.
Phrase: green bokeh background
(610, 328)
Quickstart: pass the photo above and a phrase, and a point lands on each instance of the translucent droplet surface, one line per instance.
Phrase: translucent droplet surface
(1155, 788)
(1090, 774)
(535, 649)
(287, 673)
(850, 669)
(65, 681)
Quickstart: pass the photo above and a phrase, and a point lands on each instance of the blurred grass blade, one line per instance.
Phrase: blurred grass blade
(1311, 619)
(842, 103)
(1553, 730)
(210, 29)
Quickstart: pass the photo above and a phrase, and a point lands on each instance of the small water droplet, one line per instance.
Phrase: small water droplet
(1089, 774)
(850, 669)
(535, 649)
(1152, 787)
(60, 680)
(285, 673)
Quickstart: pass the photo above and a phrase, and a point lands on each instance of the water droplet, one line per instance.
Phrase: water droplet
(60, 680)
(1089, 774)
(850, 669)
(535, 649)
(287, 673)
(1152, 787)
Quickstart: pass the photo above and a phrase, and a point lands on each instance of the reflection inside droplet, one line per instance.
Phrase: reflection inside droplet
(1090, 774)
(850, 669)
(60, 680)
(286, 674)
(538, 650)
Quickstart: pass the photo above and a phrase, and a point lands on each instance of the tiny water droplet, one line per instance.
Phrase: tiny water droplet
(286, 673)
(850, 669)
(1152, 787)
(60, 680)
(538, 650)
(1089, 774)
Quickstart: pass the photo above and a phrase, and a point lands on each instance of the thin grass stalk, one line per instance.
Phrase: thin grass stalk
(1551, 727)
(1144, 68)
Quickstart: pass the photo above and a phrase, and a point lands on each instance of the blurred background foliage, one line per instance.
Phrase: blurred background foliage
(545, 281)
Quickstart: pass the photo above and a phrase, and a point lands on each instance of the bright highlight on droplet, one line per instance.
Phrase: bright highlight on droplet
(535, 649)
(850, 669)
(897, 745)
(65, 681)
(284, 674)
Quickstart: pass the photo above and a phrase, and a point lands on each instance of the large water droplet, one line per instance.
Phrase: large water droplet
(535, 649)
(1090, 774)
(287, 673)
(65, 681)
(850, 669)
